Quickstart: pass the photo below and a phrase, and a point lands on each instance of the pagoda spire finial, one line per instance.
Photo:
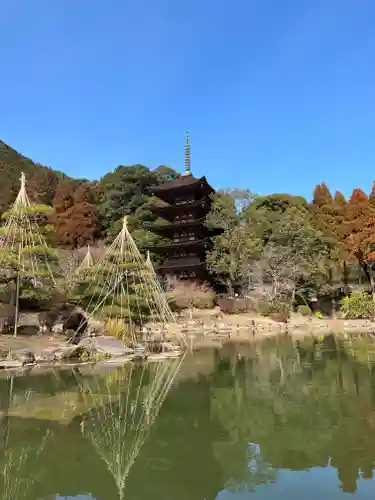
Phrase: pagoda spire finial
(187, 155)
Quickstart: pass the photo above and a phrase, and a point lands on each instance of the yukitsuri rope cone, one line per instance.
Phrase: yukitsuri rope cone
(87, 261)
(78, 270)
(28, 265)
(123, 292)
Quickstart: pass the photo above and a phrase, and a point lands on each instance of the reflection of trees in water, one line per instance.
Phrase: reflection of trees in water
(19, 460)
(131, 398)
(302, 402)
(178, 460)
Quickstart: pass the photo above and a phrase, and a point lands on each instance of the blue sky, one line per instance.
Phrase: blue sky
(277, 95)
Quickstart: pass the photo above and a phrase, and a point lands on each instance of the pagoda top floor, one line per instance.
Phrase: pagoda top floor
(185, 188)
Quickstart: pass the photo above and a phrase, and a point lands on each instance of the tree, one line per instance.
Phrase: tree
(359, 233)
(28, 266)
(322, 195)
(123, 191)
(127, 191)
(42, 181)
(79, 224)
(294, 261)
(269, 210)
(63, 199)
(164, 174)
(340, 200)
(328, 214)
(122, 288)
(238, 242)
(372, 194)
(326, 211)
(279, 202)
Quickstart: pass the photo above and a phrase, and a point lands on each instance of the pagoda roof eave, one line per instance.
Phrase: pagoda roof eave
(172, 209)
(182, 182)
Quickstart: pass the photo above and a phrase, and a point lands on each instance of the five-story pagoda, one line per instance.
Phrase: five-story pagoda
(184, 205)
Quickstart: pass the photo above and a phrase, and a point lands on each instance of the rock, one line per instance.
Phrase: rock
(169, 346)
(28, 323)
(139, 356)
(43, 329)
(71, 352)
(4, 352)
(139, 348)
(46, 355)
(24, 356)
(58, 327)
(106, 345)
(9, 364)
(94, 328)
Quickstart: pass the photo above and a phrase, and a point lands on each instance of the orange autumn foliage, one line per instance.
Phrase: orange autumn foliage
(359, 228)
(76, 221)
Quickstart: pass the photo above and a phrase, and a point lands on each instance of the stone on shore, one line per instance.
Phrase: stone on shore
(10, 364)
(72, 352)
(105, 345)
(25, 356)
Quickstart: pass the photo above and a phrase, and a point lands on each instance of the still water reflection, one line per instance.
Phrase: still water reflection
(271, 420)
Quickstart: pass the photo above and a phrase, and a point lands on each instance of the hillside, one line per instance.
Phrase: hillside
(42, 181)
(84, 211)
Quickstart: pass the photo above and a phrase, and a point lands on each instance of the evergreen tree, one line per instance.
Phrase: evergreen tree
(122, 286)
(28, 266)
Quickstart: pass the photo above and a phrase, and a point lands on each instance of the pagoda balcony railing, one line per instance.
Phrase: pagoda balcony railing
(183, 203)
(181, 262)
(186, 239)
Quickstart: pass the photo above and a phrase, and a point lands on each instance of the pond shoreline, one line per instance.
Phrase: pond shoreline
(244, 328)
(41, 350)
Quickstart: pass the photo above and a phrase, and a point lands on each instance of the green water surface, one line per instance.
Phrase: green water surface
(278, 419)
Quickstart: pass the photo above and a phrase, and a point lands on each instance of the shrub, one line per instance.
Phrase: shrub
(235, 306)
(189, 295)
(281, 317)
(276, 310)
(178, 301)
(265, 308)
(205, 301)
(304, 310)
(358, 306)
(115, 327)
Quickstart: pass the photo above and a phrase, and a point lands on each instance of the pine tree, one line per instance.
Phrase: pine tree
(121, 286)
(27, 264)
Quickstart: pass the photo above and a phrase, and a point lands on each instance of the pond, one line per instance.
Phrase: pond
(277, 419)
